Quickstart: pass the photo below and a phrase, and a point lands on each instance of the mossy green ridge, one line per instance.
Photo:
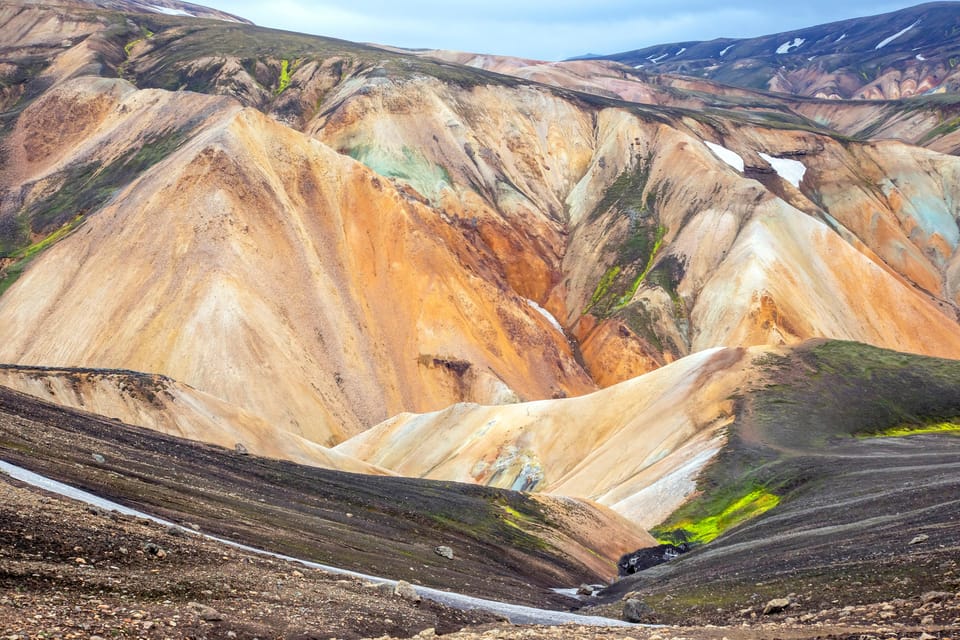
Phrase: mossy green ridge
(801, 501)
(82, 189)
(23, 257)
(627, 191)
(914, 430)
(816, 395)
(625, 299)
(635, 254)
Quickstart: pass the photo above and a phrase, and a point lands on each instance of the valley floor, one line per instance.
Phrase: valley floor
(68, 570)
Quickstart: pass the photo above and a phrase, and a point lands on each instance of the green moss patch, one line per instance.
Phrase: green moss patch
(284, 81)
(913, 430)
(704, 521)
(23, 257)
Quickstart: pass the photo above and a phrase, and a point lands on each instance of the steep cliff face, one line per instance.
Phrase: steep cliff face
(326, 235)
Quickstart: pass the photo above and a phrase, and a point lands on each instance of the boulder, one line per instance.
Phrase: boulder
(406, 591)
(935, 596)
(776, 606)
(636, 610)
(208, 614)
(444, 551)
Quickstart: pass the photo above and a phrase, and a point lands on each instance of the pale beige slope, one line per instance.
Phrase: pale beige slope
(161, 404)
(262, 267)
(768, 291)
(636, 446)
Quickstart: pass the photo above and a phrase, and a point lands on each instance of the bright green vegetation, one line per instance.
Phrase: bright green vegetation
(701, 522)
(634, 255)
(179, 42)
(635, 259)
(83, 188)
(284, 80)
(122, 68)
(912, 430)
(626, 192)
(658, 241)
(942, 129)
(87, 187)
(23, 257)
(603, 287)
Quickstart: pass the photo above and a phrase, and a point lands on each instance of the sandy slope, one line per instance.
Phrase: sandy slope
(636, 446)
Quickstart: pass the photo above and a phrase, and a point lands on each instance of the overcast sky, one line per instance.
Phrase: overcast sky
(545, 29)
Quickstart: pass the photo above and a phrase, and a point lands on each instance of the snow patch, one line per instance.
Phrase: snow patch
(732, 158)
(722, 53)
(920, 57)
(546, 314)
(887, 41)
(840, 38)
(790, 170)
(659, 58)
(171, 12)
(787, 46)
(638, 66)
(682, 49)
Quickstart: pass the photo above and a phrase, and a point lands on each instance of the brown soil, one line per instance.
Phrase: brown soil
(507, 546)
(71, 571)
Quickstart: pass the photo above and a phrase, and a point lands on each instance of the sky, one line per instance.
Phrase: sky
(545, 29)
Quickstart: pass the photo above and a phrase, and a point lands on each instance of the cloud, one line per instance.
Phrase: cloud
(549, 30)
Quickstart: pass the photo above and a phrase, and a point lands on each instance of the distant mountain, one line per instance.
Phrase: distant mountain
(894, 55)
(166, 7)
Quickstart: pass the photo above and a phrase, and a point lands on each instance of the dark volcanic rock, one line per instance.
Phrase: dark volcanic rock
(645, 558)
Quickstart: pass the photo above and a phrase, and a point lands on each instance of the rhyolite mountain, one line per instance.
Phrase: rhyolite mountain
(554, 278)
(894, 55)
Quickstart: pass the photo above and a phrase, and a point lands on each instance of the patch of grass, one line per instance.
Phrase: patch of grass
(24, 256)
(624, 300)
(87, 187)
(284, 80)
(626, 192)
(603, 287)
(916, 429)
(707, 520)
(84, 188)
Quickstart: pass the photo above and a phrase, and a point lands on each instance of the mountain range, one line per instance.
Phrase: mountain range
(585, 279)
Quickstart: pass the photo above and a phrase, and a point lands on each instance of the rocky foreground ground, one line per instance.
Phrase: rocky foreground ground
(72, 571)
